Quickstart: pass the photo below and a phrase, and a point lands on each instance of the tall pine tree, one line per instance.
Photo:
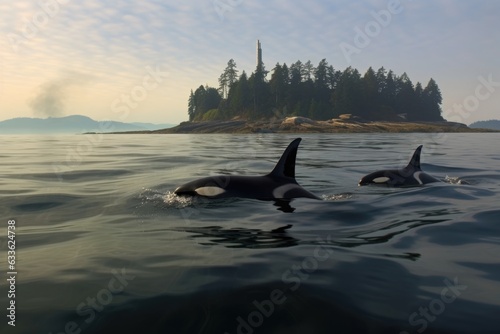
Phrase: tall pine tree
(432, 99)
(228, 78)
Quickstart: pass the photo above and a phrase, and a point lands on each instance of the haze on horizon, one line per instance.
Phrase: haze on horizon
(139, 61)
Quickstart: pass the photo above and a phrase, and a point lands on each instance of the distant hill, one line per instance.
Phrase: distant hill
(491, 124)
(70, 125)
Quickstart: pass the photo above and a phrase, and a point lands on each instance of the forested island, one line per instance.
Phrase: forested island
(320, 99)
(316, 92)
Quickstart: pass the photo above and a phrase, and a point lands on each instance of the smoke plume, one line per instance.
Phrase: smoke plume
(51, 98)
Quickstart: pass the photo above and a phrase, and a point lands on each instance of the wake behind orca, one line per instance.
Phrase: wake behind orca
(280, 184)
(411, 175)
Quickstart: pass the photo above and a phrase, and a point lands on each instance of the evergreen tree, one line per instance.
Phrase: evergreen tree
(419, 106)
(432, 99)
(199, 103)
(418, 91)
(223, 89)
(294, 91)
(332, 77)
(307, 89)
(321, 75)
(388, 93)
(286, 73)
(278, 85)
(231, 72)
(191, 106)
(322, 92)
(406, 100)
(381, 80)
(307, 71)
(286, 77)
(261, 93)
(370, 107)
(228, 78)
(296, 72)
(260, 72)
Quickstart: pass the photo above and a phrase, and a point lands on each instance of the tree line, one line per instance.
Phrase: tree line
(318, 92)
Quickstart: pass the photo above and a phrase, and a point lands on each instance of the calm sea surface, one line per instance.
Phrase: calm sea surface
(103, 245)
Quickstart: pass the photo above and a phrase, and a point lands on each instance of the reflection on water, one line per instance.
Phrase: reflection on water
(242, 237)
(363, 260)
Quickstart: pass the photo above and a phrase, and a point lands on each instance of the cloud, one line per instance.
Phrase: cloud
(453, 41)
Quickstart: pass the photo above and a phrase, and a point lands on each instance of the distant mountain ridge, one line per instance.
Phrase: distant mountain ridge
(491, 124)
(73, 124)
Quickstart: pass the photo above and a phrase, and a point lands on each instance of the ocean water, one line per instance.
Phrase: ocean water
(104, 246)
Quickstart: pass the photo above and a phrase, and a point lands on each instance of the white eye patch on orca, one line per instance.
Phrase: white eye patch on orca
(209, 191)
(381, 179)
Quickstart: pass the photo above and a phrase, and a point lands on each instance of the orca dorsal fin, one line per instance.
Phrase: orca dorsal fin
(415, 159)
(286, 164)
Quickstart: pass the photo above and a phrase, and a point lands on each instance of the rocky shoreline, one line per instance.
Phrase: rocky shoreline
(306, 125)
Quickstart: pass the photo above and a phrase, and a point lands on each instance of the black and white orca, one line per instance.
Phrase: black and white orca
(411, 175)
(280, 184)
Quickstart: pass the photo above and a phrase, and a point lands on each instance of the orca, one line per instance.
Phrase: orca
(411, 175)
(280, 184)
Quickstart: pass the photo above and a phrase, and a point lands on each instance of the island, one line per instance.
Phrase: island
(317, 99)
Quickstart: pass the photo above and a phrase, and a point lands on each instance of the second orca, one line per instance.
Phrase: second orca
(411, 175)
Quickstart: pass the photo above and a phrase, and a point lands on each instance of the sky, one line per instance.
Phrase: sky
(137, 61)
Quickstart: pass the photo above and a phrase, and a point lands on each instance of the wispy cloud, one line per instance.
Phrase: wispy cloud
(450, 40)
